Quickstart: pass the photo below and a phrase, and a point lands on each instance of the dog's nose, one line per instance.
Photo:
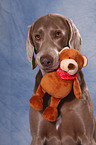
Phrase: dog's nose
(71, 66)
(46, 60)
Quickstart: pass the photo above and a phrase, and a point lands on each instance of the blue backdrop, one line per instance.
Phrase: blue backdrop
(16, 75)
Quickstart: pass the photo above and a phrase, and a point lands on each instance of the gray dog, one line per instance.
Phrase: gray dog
(76, 123)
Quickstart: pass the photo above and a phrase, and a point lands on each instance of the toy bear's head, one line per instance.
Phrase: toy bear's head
(72, 61)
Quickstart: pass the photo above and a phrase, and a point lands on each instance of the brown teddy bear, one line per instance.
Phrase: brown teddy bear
(59, 83)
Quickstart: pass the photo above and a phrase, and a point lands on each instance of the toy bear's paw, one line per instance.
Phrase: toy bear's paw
(50, 113)
(36, 102)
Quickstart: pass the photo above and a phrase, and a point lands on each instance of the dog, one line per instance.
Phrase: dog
(75, 124)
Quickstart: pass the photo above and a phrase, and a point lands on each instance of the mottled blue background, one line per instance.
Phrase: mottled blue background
(16, 75)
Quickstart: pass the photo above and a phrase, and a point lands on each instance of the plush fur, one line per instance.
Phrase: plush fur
(59, 88)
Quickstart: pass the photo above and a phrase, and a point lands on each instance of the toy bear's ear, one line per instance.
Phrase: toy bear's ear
(64, 49)
(85, 61)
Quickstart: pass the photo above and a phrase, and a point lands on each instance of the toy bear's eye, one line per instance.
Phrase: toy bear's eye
(69, 57)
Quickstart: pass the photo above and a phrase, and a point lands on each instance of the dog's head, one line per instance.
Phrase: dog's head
(47, 37)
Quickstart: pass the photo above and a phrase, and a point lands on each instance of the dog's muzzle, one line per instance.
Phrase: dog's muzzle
(46, 60)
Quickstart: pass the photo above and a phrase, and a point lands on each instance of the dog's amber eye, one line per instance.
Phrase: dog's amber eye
(58, 34)
(37, 37)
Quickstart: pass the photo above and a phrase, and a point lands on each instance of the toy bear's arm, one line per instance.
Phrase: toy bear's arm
(77, 89)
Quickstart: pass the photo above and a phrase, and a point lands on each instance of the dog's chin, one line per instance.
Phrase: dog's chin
(47, 70)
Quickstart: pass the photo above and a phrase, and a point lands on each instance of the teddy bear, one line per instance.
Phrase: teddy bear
(59, 83)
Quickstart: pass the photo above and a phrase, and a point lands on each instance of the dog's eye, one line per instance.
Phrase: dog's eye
(58, 34)
(37, 37)
(69, 57)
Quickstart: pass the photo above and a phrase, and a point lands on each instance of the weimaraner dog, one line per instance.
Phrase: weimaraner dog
(75, 124)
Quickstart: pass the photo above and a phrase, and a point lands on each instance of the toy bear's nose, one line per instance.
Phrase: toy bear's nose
(71, 66)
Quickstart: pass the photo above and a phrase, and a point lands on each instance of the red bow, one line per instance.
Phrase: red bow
(64, 75)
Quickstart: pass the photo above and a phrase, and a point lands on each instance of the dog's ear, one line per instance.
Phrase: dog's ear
(75, 40)
(30, 49)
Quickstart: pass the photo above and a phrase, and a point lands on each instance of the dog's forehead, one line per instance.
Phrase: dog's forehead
(47, 21)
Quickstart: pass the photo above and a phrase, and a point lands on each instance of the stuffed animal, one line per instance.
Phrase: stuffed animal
(59, 83)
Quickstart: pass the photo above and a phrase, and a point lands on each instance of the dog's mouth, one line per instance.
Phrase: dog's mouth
(47, 61)
(50, 69)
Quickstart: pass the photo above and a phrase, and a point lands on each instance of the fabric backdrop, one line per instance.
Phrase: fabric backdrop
(16, 75)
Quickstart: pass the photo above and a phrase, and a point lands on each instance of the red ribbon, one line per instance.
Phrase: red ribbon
(64, 75)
